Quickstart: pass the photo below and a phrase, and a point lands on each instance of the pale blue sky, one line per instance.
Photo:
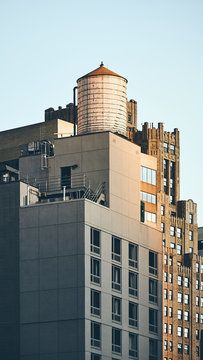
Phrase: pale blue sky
(157, 45)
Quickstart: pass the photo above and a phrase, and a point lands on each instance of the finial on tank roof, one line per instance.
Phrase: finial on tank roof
(102, 64)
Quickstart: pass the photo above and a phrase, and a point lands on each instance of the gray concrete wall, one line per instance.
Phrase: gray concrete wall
(9, 271)
(52, 281)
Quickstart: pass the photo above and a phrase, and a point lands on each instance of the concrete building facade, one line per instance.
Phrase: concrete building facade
(100, 253)
(90, 275)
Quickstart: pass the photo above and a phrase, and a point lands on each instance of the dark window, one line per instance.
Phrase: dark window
(133, 346)
(116, 340)
(180, 348)
(153, 291)
(95, 241)
(153, 263)
(95, 271)
(133, 255)
(153, 349)
(95, 356)
(116, 309)
(133, 284)
(95, 334)
(116, 248)
(66, 177)
(116, 278)
(153, 321)
(95, 302)
(133, 314)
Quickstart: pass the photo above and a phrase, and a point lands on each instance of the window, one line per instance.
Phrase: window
(190, 250)
(116, 340)
(170, 312)
(170, 346)
(95, 356)
(148, 197)
(197, 350)
(180, 348)
(66, 177)
(163, 227)
(180, 331)
(201, 301)
(165, 259)
(95, 241)
(180, 314)
(170, 278)
(129, 118)
(153, 349)
(197, 334)
(150, 217)
(165, 345)
(170, 294)
(190, 235)
(95, 271)
(180, 280)
(186, 349)
(133, 255)
(201, 318)
(153, 291)
(186, 315)
(165, 147)
(170, 329)
(186, 282)
(165, 294)
(95, 334)
(179, 249)
(133, 346)
(180, 297)
(116, 278)
(133, 284)
(153, 321)
(172, 230)
(162, 210)
(95, 302)
(186, 299)
(170, 260)
(186, 332)
(197, 267)
(165, 276)
(165, 328)
(116, 249)
(116, 309)
(172, 149)
(197, 284)
(172, 245)
(201, 268)
(165, 310)
(148, 175)
(190, 218)
(197, 300)
(133, 314)
(179, 233)
(201, 285)
(179, 263)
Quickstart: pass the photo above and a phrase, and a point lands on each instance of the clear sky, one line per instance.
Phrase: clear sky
(157, 45)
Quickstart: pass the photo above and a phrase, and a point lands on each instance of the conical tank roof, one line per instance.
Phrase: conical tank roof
(101, 70)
